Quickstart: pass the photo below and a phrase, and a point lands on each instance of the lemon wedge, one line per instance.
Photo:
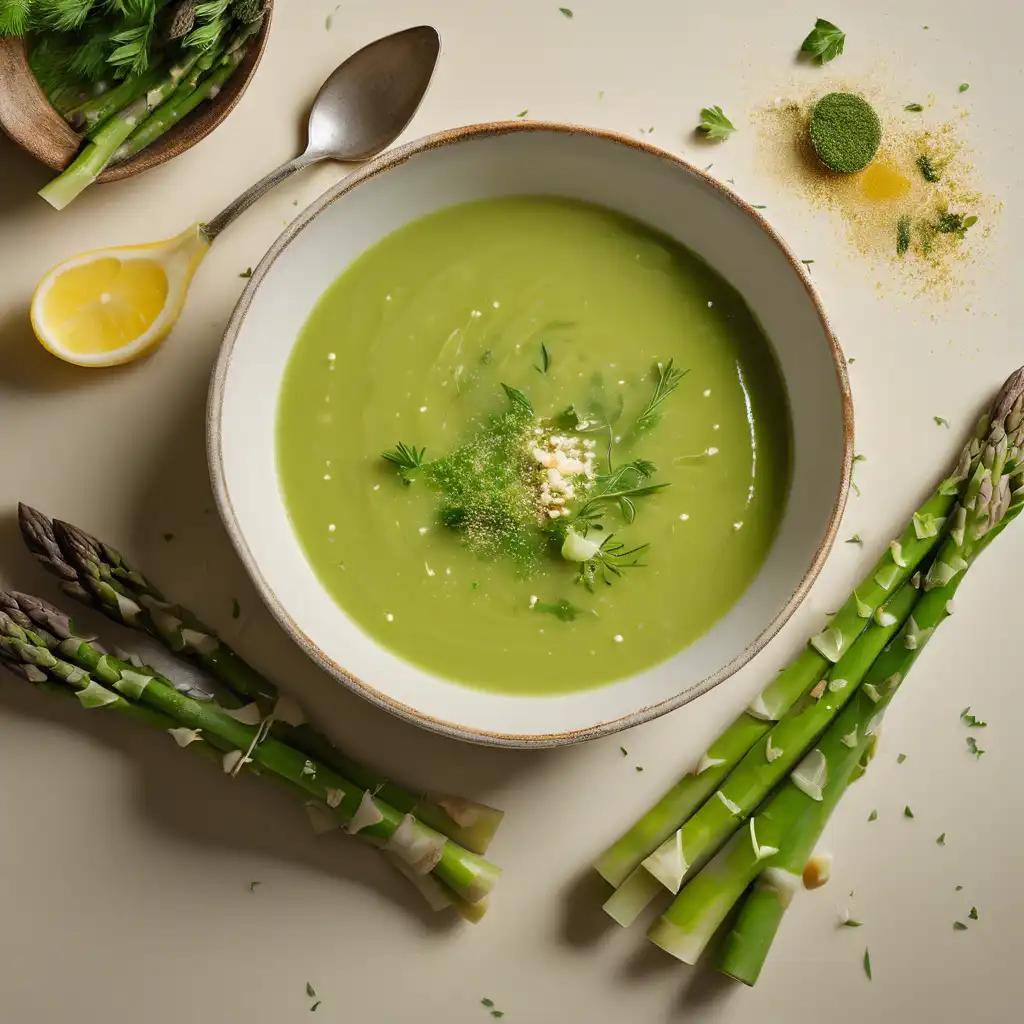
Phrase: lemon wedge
(110, 306)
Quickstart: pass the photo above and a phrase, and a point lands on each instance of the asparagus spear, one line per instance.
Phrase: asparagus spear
(994, 496)
(90, 116)
(895, 567)
(468, 875)
(195, 89)
(96, 573)
(765, 765)
(74, 681)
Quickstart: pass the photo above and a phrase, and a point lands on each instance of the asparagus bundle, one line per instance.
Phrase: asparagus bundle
(864, 676)
(656, 832)
(456, 876)
(111, 66)
(98, 575)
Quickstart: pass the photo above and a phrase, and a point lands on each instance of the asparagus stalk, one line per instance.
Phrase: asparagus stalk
(765, 765)
(895, 567)
(96, 573)
(361, 812)
(96, 154)
(74, 681)
(194, 90)
(994, 496)
(90, 116)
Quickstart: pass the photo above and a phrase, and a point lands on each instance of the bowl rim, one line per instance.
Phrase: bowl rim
(379, 165)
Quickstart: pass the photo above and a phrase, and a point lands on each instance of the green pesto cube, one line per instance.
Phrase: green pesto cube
(533, 446)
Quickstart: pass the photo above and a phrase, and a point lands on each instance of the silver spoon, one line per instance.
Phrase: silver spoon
(359, 111)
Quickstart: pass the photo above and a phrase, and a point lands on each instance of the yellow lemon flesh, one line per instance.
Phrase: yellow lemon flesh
(110, 306)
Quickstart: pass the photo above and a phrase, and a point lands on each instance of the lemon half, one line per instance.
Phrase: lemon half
(109, 306)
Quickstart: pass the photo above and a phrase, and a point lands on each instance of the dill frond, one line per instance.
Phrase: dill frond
(668, 378)
(15, 17)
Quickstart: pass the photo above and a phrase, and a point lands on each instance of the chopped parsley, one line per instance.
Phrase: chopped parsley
(941, 421)
(973, 747)
(487, 1002)
(964, 86)
(754, 206)
(523, 113)
(873, 816)
(246, 274)
(850, 923)
(970, 721)
(867, 963)
(900, 758)
(973, 914)
(566, 12)
(715, 124)
(824, 41)
(941, 841)
(913, 108)
(907, 812)
(959, 926)
(310, 991)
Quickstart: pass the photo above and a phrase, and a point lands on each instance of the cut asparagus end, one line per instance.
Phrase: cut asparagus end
(667, 864)
(626, 904)
(470, 824)
(683, 945)
(746, 946)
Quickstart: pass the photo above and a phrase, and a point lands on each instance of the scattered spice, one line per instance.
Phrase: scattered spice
(959, 926)
(715, 125)
(247, 273)
(914, 108)
(973, 915)
(907, 812)
(867, 963)
(941, 421)
(824, 41)
(845, 132)
(941, 841)
(900, 758)
(873, 816)
(973, 747)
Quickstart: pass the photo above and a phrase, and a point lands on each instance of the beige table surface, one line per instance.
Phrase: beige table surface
(125, 866)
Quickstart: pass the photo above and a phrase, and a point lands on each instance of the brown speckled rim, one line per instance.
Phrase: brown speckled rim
(454, 730)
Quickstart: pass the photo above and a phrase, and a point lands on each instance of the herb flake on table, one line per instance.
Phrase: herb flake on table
(855, 539)
(970, 721)
(825, 41)
(566, 12)
(941, 841)
(928, 170)
(715, 124)
(959, 926)
(902, 235)
(523, 113)
(900, 758)
(625, 752)
(487, 1002)
(907, 812)
(964, 86)
(316, 1005)
(913, 108)
(851, 922)
(867, 963)
(873, 816)
(973, 747)
(253, 885)
(941, 421)
(246, 274)
(310, 991)
(973, 914)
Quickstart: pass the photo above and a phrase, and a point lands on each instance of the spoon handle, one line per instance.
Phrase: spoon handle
(214, 227)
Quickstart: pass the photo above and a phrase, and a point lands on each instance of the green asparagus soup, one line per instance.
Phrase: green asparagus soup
(532, 445)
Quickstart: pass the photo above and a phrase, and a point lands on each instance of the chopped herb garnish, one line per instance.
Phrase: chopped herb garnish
(318, 1003)
(807, 264)
(959, 888)
(902, 235)
(625, 752)
(914, 108)
(639, 767)
(867, 963)
(973, 915)
(973, 747)
(955, 223)
(562, 610)
(406, 458)
(941, 421)
(941, 841)
(856, 459)
(247, 273)
(310, 991)
(855, 539)
(168, 537)
(873, 816)
(756, 207)
(850, 923)
(851, 360)
(487, 1002)
(824, 41)
(900, 758)
(715, 124)
(253, 884)
(907, 812)
(545, 359)
(928, 170)
(523, 113)
(970, 721)
(667, 382)
(964, 86)
(474, 586)
(959, 926)
(236, 608)
(566, 12)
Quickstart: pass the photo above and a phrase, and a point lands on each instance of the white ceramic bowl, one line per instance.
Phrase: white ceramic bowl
(493, 160)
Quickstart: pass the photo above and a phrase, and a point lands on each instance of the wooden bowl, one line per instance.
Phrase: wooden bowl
(27, 117)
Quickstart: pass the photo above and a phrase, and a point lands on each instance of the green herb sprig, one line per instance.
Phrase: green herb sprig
(825, 41)
(715, 124)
